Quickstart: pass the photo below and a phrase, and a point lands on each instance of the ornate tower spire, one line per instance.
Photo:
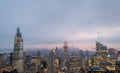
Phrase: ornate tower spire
(18, 32)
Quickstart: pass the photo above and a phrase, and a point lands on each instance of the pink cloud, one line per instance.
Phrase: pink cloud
(83, 46)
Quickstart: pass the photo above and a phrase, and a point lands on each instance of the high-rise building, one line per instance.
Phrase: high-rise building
(101, 50)
(18, 52)
(117, 64)
(65, 51)
(112, 53)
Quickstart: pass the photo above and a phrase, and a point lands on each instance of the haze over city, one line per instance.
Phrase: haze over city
(50, 23)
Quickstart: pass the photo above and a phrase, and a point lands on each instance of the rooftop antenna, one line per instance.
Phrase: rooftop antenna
(18, 27)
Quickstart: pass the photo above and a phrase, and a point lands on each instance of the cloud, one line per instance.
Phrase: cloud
(52, 22)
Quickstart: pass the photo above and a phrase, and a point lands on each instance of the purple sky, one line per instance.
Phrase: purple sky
(51, 22)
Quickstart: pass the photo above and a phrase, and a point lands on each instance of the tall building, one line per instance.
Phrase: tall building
(65, 51)
(18, 52)
(101, 52)
(117, 65)
(112, 53)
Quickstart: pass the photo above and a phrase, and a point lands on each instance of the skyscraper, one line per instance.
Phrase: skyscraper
(18, 52)
(65, 51)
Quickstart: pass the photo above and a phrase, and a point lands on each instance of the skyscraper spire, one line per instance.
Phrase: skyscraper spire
(65, 43)
(18, 32)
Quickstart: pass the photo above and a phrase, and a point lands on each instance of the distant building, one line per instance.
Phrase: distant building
(95, 69)
(101, 52)
(87, 54)
(89, 62)
(101, 49)
(5, 62)
(28, 63)
(112, 53)
(74, 64)
(4, 59)
(94, 60)
(18, 52)
(65, 51)
(36, 63)
(56, 52)
(39, 55)
(117, 65)
(111, 50)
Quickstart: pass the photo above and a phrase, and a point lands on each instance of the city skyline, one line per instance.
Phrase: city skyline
(53, 22)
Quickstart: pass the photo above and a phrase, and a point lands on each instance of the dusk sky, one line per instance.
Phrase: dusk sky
(48, 23)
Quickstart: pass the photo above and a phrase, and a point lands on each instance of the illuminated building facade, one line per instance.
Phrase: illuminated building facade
(117, 64)
(112, 53)
(74, 64)
(101, 52)
(18, 52)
